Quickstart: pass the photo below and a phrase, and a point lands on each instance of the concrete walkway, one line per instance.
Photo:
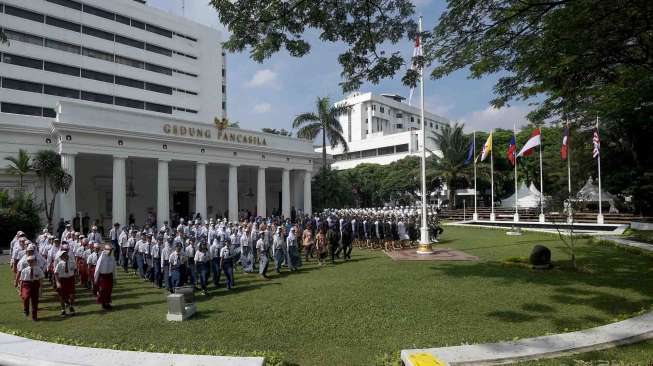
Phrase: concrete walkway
(629, 243)
(624, 332)
(19, 351)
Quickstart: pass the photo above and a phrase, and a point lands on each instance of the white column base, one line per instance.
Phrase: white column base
(542, 218)
(493, 217)
(425, 243)
(599, 219)
(475, 216)
(515, 217)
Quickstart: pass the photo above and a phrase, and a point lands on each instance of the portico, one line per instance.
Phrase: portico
(132, 165)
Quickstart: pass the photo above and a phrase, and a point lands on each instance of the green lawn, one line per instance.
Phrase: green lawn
(354, 313)
(645, 236)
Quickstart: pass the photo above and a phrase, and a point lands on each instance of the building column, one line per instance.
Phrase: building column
(233, 192)
(369, 118)
(119, 197)
(261, 205)
(285, 192)
(163, 195)
(68, 205)
(308, 205)
(200, 189)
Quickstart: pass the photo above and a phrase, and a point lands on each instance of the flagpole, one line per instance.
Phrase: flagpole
(514, 154)
(599, 218)
(425, 243)
(569, 218)
(492, 216)
(475, 216)
(542, 218)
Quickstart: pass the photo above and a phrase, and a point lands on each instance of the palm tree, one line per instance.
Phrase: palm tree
(19, 165)
(47, 165)
(324, 120)
(451, 166)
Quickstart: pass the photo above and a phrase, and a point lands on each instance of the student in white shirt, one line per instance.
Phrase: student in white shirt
(105, 277)
(227, 265)
(30, 284)
(64, 275)
(202, 265)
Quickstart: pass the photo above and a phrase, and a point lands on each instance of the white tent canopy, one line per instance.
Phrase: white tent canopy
(528, 197)
(590, 193)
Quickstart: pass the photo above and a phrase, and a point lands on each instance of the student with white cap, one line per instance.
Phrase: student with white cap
(30, 285)
(105, 277)
(64, 276)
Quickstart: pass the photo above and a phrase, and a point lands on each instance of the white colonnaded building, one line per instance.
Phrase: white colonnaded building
(380, 129)
(128, 95)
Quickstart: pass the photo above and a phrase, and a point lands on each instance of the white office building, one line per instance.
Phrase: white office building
(380, 129)
(127, 95)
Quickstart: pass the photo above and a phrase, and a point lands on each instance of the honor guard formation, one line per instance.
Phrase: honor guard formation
(198, 252)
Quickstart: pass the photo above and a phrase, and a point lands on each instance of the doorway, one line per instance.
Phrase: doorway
(181, 204)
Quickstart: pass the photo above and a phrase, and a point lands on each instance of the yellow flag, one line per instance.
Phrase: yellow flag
(487, 147)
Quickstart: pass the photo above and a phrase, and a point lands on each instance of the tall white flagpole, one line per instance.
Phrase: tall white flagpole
(514, 154)
(475, 216)
(542, 218)
(570, 213)
(492, 216)
(425, 243)
(599, 218)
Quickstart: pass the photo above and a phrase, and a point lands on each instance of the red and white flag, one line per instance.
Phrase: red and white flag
(565, 143)
(533, 141)
(596, 141)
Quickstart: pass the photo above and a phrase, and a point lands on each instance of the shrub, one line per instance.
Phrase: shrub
(18, 213)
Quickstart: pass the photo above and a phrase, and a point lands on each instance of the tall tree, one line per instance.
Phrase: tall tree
(323, 121)
(19, 165)
(453, 143)
(266, 26)
(47, 165)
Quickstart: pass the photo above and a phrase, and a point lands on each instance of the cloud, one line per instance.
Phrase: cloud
(489, 118)
(263, 77)
(435, 104)
(262, 108)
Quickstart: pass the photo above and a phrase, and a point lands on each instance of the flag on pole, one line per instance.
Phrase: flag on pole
(487, 147)
(565, 142)
(470, 153)
(512, 149)
(532, 142)
(597, 142)
(416, 52)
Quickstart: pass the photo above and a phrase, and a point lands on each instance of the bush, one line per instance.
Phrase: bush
(18, 213)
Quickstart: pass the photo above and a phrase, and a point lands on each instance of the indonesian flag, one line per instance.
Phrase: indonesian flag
(487, 148)
(565, 143)
(533, 141)
(512, 149)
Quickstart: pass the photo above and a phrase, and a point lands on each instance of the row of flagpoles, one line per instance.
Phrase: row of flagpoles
(535, 140)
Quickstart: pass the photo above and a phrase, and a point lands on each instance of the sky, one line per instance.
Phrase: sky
(272, 93)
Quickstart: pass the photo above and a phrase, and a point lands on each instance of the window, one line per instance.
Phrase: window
(138, 24)
(98, 33)
(412, 119)
(387, 150)
(437, 127)
(49, 112)
(131, 103)
(96, 97)
(130, 42)
(158, 88)
(224, 72)
(26, 14)
(381, 109)
(160, 31)
(185, 73)
(188, 38)
(191, 111)
(61, 92)
(399, 125)
(401, 148)
(21, 109)
(224, 89)
(23, 37)
(67, 3)
(373, 107)
(22, 61)
(431, 123)
(368, 153)
(63, 46)
(99, 12)
(130, 62)
(158, 49)
(130, 82)
(95, 75)
(122, 19)
(22, 85)
(158, 108)
(63, 24)
(61, 69)
(159, 69)
(97, 54)
(399, 115)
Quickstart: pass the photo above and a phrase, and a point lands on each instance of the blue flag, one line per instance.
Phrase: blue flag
(470, 154)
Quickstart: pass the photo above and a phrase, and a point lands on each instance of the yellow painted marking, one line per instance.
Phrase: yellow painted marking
(425, 359)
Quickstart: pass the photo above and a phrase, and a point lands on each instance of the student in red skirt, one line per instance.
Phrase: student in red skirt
(91, 262)
(80, 262)
(64, 275)
(105, 277)
(30, 285)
